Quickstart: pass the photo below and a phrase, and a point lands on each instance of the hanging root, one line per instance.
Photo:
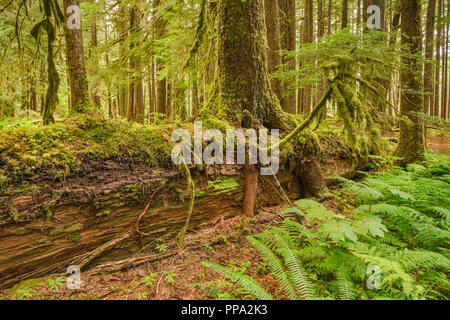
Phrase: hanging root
(191, 187)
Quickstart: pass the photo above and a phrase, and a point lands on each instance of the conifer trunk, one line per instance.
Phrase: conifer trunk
(79, 90)
(411, 145)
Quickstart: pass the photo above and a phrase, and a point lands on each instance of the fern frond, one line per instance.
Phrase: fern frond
(345, 287)
(276, 267)
(293, 264)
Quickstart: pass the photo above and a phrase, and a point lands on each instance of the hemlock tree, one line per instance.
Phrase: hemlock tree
(411, 145)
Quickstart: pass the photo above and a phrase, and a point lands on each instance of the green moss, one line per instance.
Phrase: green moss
(60, 148)
(74, 237)
(223, 184)
(31, 251)
(75, 228)
(3, 182)
(72, 229)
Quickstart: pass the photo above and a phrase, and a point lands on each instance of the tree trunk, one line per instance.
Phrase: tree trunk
(272, 14)
(344, 14)
(79, 90)
(411, 145)
(123, 32)
(428, 67)
(330, 4)
(287, 30)
(308, 38)
(438, 60)
(94, 43)
(444, 66)
(244, 89)
(161, 83)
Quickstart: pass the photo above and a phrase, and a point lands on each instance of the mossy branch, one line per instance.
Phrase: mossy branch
(314, 113)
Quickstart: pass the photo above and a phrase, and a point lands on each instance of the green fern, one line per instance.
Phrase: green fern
(247, 283)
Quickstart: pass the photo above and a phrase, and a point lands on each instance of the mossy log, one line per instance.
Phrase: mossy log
(51, 225)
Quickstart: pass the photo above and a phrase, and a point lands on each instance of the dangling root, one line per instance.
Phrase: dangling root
(191, 187)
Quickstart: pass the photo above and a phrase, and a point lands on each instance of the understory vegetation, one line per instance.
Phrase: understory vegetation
(389, 241)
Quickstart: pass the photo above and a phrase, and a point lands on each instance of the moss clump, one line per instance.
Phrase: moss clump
(3, 182)
(222, 184)
(74, 237)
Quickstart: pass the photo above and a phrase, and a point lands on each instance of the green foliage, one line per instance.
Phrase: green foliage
(55, 284)
(150, 279)
(397, 226)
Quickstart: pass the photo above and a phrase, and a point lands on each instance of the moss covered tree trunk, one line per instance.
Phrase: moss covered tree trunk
(79, 91)
(51, 96)
(243, 76)
(411, 145)
(244, 92)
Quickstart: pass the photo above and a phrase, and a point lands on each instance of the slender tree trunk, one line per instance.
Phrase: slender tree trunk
(272, 14)
(445, 67)
(161, 83)
(428, 67)
(330, 5)
(287, 30)
(411, 145)
(94, 43)
(123, 32)
(135, 110)
(438, 61)
(308, 38)
(79, 90)
(344, 14)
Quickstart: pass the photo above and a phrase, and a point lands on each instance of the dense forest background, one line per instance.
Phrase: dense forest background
(147, 57)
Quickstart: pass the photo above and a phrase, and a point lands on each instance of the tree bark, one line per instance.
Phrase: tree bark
(287, 31)
(438, 61)
(79, 90)
(428, 67)
(344, 14)
(411, 145)
(444, 67)
(308, 38)
(161, 83)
